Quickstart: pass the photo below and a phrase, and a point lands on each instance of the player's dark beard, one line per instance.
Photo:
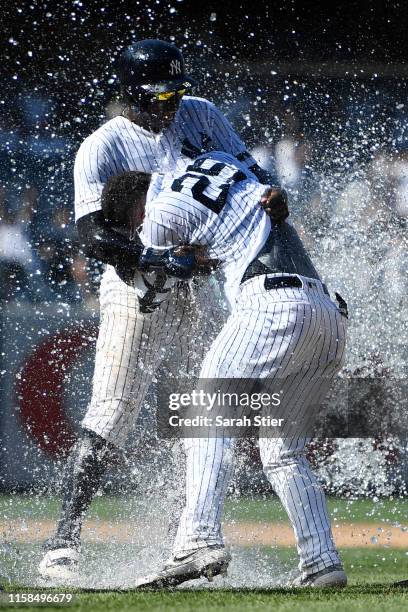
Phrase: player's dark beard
(153, 115)
(161, 114)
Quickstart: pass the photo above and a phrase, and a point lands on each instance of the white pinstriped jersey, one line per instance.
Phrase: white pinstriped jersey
(215, 203)
(293, 336)
(120, 145)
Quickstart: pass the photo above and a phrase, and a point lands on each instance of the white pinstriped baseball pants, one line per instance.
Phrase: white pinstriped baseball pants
(131, 346)
(296, 336)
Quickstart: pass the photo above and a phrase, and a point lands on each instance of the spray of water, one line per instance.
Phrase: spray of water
(341, 153)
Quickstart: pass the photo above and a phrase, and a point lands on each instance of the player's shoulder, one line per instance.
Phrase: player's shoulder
(197, 103)
(105, 135)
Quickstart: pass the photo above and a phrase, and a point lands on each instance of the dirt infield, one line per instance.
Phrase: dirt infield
(346, 535)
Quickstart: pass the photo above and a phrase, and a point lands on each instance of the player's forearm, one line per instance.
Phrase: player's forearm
(160, 244)
(112, 247)
(265, 177)
(106, 244)
(182, 262)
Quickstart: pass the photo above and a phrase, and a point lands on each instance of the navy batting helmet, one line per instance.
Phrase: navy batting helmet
(152, 66)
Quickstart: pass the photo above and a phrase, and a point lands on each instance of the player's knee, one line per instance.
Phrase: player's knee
(102, 451)
(280, 458)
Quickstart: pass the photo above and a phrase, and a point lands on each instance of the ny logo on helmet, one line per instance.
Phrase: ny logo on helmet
(175, 67)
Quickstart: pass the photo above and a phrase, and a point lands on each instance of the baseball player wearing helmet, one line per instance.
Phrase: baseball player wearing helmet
(283, 327)
(159, 126)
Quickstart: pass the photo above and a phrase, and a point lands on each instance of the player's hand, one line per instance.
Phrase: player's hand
(152, 259)
(173, 262)
(182, 261)
(126, 273)
(274, 201)
(186, 260)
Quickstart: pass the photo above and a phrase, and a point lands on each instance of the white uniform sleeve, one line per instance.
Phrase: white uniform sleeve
(91, 171)
(162, 229)
(155, 186)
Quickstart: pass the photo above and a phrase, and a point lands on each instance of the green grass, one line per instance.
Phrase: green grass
(371, 571)
(242, 509)
(344, 510)
(371, 574)
(374, 599)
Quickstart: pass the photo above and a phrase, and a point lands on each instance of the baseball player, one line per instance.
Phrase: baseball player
(282, 326)
(159, 126)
